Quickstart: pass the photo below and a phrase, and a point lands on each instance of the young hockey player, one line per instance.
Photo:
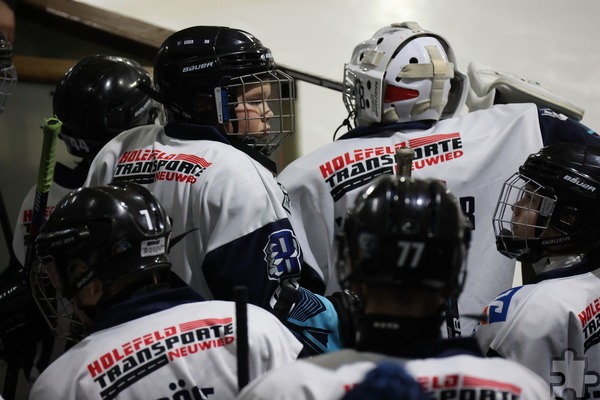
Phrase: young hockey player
(403, 89)
(228, 107)
(548, 215)
(142, 334)
(403, 248)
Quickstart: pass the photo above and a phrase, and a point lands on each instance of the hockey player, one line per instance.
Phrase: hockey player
(8, 74)
(105, 250)
(403, 249)
(95, 100)
(548, 215)
(403, 88)
(228, 107)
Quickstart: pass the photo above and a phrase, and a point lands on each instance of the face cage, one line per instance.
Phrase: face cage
(58, 311)
(348, 94)
(8, 81)
(273, 112)
(519, 194)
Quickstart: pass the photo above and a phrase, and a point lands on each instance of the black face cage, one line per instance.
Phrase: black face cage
(264, 118)
(8, 81)
(59, 312)
(519, 195)
(348, 91)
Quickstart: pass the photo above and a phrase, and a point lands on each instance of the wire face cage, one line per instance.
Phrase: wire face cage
(261, 107)
(522, 214)
(59, 312)
(8, 81)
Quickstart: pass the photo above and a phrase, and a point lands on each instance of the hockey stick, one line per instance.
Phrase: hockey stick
(314, 79)
(404, 157)
(50, 128)
(13, 263)
(241, 328)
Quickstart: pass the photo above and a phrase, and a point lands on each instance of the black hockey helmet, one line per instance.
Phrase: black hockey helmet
(560, 187)
(8, 74)
(97, 99)
(407, 233)
(115, 230)
(201, 70)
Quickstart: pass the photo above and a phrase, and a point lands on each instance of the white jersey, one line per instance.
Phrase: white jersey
(330, 376)
(230, 215)
(552, 327)
(65, 180)
(473, 154)
(184, 352)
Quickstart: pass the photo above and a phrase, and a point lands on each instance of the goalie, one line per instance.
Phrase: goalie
(402, 88)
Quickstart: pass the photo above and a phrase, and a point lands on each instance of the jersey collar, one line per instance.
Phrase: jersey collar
(185, 131)
(589, 263)
(143, 305)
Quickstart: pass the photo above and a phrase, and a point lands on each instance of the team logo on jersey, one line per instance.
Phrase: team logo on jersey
(180, 392)
(590, 323)
(459, 386)
(136, 359)
(146, 166)
(498, 309)
(27, 219)
(354, 169)
(282, 254)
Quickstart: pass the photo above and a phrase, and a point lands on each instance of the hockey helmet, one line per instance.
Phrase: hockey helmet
(551, 206)
(207, 70)
(97, 99)
(406, 233)
(403, 73)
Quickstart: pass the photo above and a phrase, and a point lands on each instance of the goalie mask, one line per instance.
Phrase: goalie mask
(97, 99)
(106, 233)
(405, 233)
(8, 74)
(225, 77)
(551, 207)
(403, 73)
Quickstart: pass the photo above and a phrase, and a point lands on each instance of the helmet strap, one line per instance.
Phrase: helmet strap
(439, 71)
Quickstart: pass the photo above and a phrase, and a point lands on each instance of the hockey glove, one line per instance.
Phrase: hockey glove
(320, 323)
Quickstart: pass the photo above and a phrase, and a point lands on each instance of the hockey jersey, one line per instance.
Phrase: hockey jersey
(65, 180)
(462, 375)
(229, 214)
(473, 154)
(551, 326)
(182, 351)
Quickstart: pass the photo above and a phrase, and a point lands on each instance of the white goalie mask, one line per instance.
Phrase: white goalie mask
(403, 73)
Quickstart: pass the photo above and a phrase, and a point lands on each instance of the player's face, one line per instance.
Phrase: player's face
(253, 110)
(525, 213)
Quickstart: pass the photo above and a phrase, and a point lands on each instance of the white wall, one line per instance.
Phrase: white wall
(549, 41)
